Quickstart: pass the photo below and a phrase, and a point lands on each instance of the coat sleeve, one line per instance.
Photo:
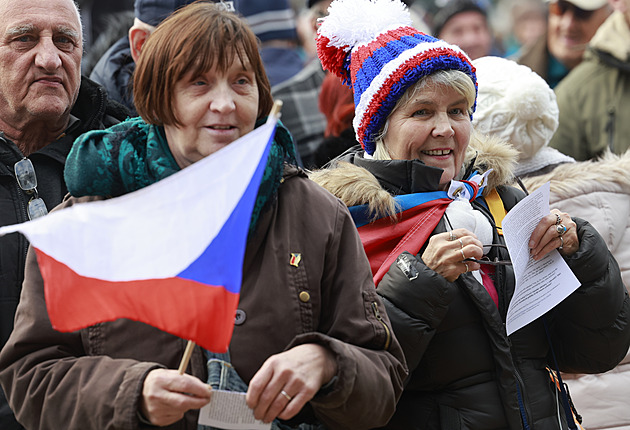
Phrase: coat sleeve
(417, 300)
(590, 329)
(49, 378)
(569, 138)
(355, 327)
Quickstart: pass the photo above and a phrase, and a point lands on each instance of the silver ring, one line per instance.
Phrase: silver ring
(451, 236)
(463, 256)
(461, 243)
(466, 268)
(284, 393)
(561, 229)
(561, 243)
(558, 219)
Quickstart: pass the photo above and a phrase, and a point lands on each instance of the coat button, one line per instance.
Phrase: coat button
(305, 297)
(240, 318)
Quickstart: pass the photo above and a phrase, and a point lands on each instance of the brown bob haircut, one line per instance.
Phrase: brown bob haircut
(194, 39)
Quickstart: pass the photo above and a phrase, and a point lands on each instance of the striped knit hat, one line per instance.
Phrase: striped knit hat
(371, 46)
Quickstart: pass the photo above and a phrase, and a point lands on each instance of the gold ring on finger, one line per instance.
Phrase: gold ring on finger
(284, 393)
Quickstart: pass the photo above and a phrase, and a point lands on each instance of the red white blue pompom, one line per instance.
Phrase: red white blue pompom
(352, 23)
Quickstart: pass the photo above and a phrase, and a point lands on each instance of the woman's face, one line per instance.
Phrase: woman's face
(434, 127)
(214, 109)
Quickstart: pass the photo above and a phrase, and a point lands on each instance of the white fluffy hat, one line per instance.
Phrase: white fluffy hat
(517, 105)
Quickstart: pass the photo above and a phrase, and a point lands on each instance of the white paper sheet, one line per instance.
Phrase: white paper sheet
(228, 410)
(542, 284)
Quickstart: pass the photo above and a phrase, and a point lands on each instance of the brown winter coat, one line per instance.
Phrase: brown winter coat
(92, 379)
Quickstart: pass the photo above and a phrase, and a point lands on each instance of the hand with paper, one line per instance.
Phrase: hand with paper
(554, 231)
(216, 252)
(167, 396)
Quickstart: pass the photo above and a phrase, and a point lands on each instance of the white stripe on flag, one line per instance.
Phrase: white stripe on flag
(141, 235)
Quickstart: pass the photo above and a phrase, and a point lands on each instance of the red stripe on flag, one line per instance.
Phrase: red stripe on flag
(384, 242)
(187, 309)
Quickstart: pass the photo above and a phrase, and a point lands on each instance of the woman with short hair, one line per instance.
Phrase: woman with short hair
(312, 347)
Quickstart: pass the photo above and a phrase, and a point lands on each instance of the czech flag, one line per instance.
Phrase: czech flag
(417, 216)
(384, 240)
(169, 255)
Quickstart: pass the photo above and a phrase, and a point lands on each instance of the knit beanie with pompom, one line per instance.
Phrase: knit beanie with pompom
(371, 46)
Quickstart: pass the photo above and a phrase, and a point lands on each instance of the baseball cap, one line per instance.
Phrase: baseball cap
(585, 4)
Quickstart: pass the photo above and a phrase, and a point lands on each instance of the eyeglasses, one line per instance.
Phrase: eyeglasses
(486, 260)
(561, 7)
(26, 179)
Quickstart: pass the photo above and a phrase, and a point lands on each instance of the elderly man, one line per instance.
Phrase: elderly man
(44, 106)
(571, 25)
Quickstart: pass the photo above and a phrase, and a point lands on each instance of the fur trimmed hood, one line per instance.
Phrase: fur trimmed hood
(610, 173)
(355, 185)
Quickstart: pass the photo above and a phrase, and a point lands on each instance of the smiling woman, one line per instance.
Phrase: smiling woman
(427, 195)
(311, 341)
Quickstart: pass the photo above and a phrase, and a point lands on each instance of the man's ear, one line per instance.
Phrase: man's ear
(137, 37)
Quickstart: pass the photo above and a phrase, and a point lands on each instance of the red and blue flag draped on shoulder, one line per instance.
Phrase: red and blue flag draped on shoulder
(417, 216)
(169, 255)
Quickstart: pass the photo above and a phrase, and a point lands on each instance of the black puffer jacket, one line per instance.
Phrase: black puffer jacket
(465, 372)
(94, 111)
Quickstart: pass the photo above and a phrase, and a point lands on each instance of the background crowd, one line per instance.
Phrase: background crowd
(553, 85)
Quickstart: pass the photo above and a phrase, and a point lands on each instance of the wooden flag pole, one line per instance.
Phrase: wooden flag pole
(275, 109)
(186, 358)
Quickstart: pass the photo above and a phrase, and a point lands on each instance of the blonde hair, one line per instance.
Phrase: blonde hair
(455, 79)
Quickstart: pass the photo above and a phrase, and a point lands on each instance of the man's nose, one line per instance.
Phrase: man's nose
(47, 55)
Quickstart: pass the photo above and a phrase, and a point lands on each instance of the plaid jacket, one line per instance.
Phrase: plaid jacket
(300, 111)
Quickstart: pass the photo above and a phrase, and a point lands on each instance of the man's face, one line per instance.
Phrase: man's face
(40, 59)
(570, 30)
(468, 30)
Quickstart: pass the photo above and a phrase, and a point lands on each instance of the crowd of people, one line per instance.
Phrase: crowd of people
(376, 279)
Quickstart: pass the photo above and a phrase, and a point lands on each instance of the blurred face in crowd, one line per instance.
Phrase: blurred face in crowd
(570, 30)
(622, 6)
(433, 126)
(40, 60)
(468, 30)
(529, 26)
(214, 109)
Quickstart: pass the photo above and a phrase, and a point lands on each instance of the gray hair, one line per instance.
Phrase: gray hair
(455, 79)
